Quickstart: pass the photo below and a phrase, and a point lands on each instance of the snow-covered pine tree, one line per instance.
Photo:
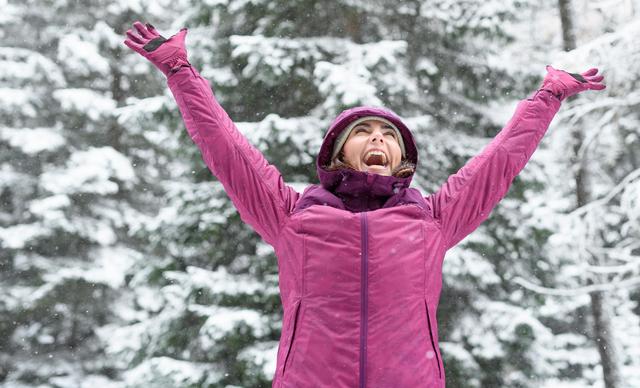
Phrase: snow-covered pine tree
(75, 185)
(564, 270)
(593, 250)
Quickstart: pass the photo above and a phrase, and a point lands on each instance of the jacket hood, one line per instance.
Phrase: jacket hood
(331, 179)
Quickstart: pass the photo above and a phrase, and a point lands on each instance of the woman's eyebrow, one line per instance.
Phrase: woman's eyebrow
(368, 125)
(384, 126)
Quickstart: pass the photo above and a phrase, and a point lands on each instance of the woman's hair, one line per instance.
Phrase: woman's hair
(403, 170)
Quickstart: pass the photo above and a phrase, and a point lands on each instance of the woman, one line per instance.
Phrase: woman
(360, 254)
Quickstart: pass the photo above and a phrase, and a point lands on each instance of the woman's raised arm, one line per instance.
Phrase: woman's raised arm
(467, 198)
(255, 187)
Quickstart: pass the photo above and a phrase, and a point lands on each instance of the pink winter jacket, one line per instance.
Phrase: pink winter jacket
(359, 281)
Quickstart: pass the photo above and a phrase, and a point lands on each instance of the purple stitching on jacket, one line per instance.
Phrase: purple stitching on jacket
(364, 293)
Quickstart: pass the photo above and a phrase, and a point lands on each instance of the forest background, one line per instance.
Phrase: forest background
(124, 264)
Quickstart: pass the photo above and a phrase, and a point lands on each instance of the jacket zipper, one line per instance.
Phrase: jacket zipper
(363, 299)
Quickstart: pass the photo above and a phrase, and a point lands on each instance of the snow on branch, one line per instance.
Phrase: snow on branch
(627, 283)
(601, 202)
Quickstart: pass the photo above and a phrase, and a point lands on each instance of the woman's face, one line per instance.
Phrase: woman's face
(372, 146)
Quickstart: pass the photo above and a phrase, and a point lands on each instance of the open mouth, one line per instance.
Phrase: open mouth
(376, 158)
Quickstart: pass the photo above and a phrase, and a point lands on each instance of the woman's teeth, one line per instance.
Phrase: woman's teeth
(375, 158)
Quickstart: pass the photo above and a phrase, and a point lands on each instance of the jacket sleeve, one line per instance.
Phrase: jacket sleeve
(467, 198)
(255, 187)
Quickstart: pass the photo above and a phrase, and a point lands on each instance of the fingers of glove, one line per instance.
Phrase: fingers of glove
(590, 72)
(133, 46)
(134, 38)
(152, 29)
(142, 30)
(597, 86)
(596, 78)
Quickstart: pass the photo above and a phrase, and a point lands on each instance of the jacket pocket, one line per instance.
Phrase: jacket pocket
(291, 338)
(432, 339)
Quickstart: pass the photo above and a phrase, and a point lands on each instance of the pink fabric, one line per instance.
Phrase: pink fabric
(360, 290)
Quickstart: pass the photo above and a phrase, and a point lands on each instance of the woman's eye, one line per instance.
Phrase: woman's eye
(360, 129)
(392, 134)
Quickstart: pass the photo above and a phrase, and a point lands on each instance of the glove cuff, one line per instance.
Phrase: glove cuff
(555, 89)
(174, 64)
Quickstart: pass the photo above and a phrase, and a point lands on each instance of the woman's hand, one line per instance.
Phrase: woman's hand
(563, 84)
(166, 54)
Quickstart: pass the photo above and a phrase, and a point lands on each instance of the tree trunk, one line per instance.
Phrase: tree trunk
(635, 8)
(605, 340)
(603, 328)
(354, 19)
(566, 21)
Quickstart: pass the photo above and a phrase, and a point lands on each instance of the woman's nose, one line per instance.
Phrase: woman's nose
(377, 136)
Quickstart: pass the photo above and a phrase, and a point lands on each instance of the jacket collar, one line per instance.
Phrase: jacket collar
(358, 191)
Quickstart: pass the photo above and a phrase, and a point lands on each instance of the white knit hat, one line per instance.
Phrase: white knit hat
(342, 138)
